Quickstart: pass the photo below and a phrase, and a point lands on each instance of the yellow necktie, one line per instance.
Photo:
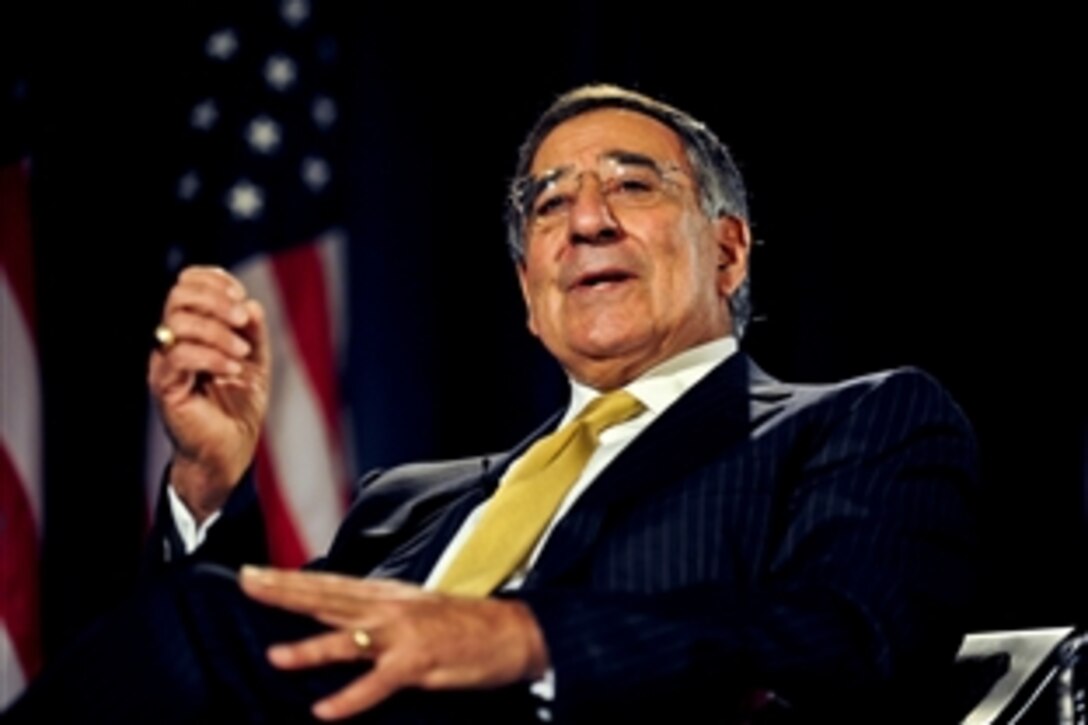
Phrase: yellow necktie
(519, 512)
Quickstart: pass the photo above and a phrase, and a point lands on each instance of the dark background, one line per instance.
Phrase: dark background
(912, 180)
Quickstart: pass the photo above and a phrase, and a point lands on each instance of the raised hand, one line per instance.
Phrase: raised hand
(210, 379)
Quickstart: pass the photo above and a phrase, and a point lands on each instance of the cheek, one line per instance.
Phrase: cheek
(689, 276)
(541, 303)
(701, 249)
(684, 268)
(533, 306)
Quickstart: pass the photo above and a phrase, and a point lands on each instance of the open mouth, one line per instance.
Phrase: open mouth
(601, 278)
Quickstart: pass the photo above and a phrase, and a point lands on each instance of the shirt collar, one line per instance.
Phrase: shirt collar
(660, 386)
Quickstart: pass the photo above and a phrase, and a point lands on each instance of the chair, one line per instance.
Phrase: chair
(1024, 676)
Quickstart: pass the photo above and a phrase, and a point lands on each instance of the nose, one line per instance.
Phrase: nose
(591, 219)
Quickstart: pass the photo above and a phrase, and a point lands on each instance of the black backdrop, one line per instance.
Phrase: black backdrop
(911, 178)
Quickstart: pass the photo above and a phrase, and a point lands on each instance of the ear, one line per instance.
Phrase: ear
(734, 242)
(523, 282)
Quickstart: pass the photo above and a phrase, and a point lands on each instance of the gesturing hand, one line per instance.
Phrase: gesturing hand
(211, 384)
(414, 638)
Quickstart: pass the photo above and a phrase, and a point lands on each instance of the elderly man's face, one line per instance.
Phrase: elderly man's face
(616, 278)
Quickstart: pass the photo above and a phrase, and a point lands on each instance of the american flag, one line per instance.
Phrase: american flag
(259, 190)
(20, 410)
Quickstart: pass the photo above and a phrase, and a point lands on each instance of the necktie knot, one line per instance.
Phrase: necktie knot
(608, 410)
(517, 515)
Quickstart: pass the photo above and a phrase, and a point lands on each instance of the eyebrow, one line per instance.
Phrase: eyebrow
(621, 156)
(631, 158)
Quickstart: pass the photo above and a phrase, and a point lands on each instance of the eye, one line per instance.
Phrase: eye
(634, 185)
(550, 205)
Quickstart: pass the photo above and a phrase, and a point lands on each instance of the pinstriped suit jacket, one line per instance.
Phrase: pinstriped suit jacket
(813, 541)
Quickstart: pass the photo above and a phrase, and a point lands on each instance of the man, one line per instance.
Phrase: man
(722, 544)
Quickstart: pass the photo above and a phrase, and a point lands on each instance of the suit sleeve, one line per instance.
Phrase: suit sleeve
(237, 538)
(865, 592)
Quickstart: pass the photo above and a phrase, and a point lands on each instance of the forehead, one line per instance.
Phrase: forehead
(582, 140)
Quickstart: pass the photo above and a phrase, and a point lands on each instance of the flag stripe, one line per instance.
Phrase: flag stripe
(18, 568)
(301, 445)
(20, 414)
(301, 281)
(332, 252)
(285, 548)
(15, 250)
(20, 441)
(12, 680)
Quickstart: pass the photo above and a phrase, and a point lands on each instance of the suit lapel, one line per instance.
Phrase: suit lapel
(414, 560)
(714, 415)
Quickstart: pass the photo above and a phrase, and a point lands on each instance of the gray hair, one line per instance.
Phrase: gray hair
(721, 187)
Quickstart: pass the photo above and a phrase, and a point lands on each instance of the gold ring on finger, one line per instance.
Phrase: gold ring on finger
(165, 337)
(362, 640)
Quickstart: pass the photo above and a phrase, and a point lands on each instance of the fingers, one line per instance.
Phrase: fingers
(208, 305)
(323, 649)
(268, 580)
(339, 646)
(336, 600)
(196, 329)
(210, 291)
(187, 358)
(213, 278)
(314, 594)
(341, 602)
(359, 696)
(217, 330)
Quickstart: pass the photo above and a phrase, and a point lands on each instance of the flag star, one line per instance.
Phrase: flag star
(263, 135)
(316, 173)
(188, 185)
(295, 12)
(204, 114)
(280, 72)
(323, 110)
(175, 257)
(222, 44)
(245, 200)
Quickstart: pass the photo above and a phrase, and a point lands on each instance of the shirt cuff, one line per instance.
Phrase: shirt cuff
(544, 691)
(192, 535)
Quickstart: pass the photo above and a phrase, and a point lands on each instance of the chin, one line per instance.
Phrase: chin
(608, 335)
(607, 364)
(610, 346)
